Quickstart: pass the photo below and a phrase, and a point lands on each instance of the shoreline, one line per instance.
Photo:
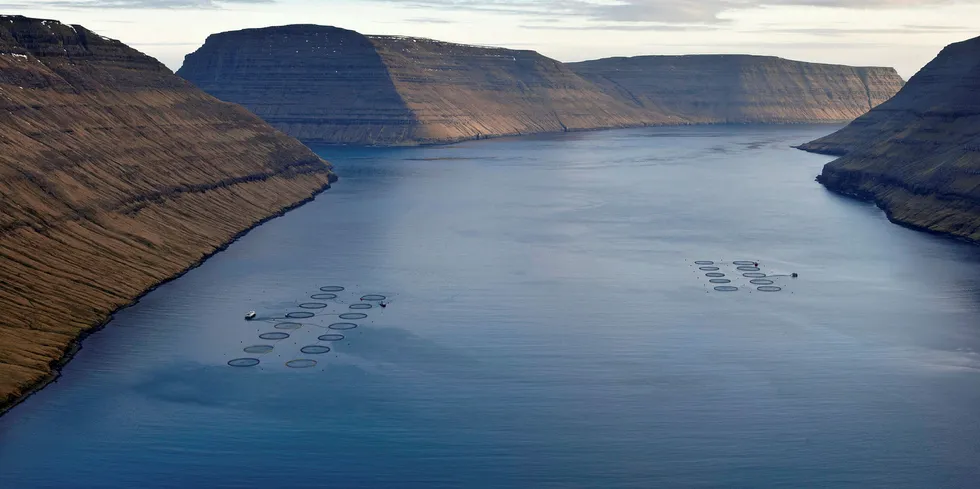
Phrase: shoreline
(890, 215)
(872, 197)
(77, 343)
(430, 143)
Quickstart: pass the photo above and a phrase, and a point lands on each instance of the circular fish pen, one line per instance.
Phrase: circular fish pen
(761, 281)
(709, 269)
(353, 315)
(300, 315)
(301, 363)
(243, 362)
(747, 268)
(743, 263)
(720, 281)
(342, 326)
(726, 288)
(714, 274)
(704, 262)
(312, 305)
(754, 275)
(288, 325)
(275, 335)
(331, 288)
(315, 349)
(373, 297)
(361, 306)
(323, 297)
(258, 349)
(330, 337)
(768, 288)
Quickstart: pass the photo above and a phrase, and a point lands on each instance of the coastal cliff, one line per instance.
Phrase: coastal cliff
(462, 92)
(319, 84)
(918, 155)
(742, 89)
(115, 175)
(329, 85)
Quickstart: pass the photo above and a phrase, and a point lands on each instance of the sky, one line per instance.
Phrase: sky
(904, 34)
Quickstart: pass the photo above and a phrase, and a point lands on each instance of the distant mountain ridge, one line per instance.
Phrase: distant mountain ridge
(329, 85)
(743, 88)
(115, 175)
(918, 155)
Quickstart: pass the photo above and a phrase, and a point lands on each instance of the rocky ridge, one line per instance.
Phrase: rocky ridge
(743, 89)
(329, 85)
(918, 155)
(460, 92)
(115, 175)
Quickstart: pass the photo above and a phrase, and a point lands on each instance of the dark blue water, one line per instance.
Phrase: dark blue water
(547, 329)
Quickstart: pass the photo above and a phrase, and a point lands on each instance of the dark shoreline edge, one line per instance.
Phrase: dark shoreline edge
(871, 197)
(446, 142)
(76, 345)
(805, 147)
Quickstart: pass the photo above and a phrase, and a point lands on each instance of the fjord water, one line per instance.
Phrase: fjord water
(547, 328)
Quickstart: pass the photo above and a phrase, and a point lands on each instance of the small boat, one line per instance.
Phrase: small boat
(250, 315)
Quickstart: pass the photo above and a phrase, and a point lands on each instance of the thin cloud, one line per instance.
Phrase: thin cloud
(130, 4)
(428, 20)
(662, 11)
(942, 28)
(514, 7)
(705, 11)
(623, 27)
(844, 31)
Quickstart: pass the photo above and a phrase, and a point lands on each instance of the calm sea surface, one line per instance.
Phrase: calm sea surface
(547, 327)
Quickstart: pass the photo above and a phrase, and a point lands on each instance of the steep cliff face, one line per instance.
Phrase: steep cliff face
(316, 83)
(918, 155)
(461, 92)
(330, 85)
(742, 89)
(114, 176)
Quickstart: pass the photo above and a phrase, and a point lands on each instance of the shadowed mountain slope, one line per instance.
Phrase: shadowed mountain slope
(918, 155)
(329, 85)
(115, 175)
(743, 89)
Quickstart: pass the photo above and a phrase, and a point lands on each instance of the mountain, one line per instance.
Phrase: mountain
(329, 85)
(743, 89)
(115, 175)
(918, 155)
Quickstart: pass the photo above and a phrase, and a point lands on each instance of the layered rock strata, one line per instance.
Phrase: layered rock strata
(918, 155)
(115, 175)
(743, 89)
(460, 92)
(329, 85)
